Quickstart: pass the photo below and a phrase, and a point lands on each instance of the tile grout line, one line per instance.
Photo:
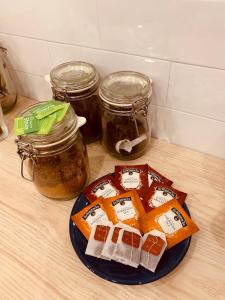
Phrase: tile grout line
(98, 24)
(188, 113)
(168, 85)
(50, 57)
(28, 73)
(116, 52)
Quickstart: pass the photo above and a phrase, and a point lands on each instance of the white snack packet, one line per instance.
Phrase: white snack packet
(128, 247)
(97, 239)
(111, 240)
(153, 247)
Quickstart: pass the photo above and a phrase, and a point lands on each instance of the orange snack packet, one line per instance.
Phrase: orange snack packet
(126, 208)
(93, 214)
(171, 219)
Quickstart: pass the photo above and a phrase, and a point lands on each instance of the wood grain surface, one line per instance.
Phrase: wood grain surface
(37, 260)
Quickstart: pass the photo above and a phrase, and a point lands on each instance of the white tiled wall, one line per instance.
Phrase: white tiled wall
(179, 43)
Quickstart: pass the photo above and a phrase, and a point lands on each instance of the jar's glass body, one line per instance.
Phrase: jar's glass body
(57, 163)
(8, 93)
(61, 175)
(77, 83)
(3, 127)
(86, 105)
(125, 98)
(119, 127)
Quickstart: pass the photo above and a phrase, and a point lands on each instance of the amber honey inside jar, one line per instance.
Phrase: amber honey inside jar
(57, 163)
(125, 98)
(77, 82)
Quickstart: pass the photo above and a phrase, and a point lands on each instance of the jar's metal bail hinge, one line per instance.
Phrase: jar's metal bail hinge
(60, 95)
(140, 107)
(26, 151)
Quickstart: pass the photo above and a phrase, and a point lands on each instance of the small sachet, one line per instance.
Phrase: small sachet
(160, 193)
(25, 125)
(153, 175)
(128, 247)
(171, 219)
(111, 240)
(97, 240)
(103, 187)
(47, 109)
(129, 178)
(153, 247)
(126, 208)
(89, 216)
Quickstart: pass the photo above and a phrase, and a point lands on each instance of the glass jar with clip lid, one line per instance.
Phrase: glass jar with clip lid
(77, 82)
(125, 98)
(57, 163)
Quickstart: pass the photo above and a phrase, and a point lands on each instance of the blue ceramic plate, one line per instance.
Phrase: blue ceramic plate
(117, 272)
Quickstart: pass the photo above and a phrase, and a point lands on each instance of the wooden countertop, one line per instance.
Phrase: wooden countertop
(37, 260)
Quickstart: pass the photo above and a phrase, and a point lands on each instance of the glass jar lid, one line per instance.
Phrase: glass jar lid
(124, 88)
(74, 76)
(61, 132)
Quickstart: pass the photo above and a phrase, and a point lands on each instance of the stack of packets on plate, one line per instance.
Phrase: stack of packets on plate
(133, 217)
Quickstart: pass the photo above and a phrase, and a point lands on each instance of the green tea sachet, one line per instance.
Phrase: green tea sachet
(47, 123)
(46, 110)
(24, 125)
(62, 112)
(43, 117)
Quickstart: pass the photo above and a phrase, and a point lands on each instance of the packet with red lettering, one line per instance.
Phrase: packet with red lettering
(153, 176)
(93, 214)
(126, 208)
(171, 219)
(128, 247)
(160, 193)
(153, 247)
(103, 187)
(129, 178)
(97, 241)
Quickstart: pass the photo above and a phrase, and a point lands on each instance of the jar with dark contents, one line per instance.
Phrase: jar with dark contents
(125, 98)
(8, 92)
(57, 163)
(77, 82)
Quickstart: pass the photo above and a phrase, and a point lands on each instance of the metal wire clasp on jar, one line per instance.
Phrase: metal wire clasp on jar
(57, 163)
(125, 98)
